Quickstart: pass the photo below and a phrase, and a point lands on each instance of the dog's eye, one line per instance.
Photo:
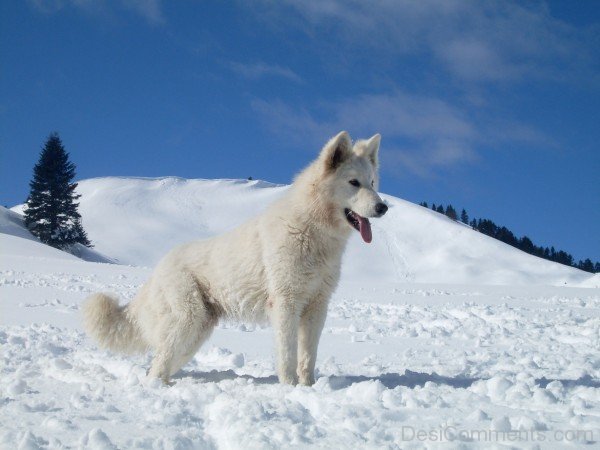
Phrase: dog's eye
(354, 183)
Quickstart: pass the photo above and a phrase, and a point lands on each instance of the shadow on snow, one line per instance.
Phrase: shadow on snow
(390, 380)
(409, 379)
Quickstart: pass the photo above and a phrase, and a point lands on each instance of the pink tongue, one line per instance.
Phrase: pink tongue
(365, 229)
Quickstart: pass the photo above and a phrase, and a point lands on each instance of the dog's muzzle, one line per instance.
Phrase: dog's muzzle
(381, 209)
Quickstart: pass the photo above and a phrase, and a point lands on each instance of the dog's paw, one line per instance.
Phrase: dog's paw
(288, 379)
(308, 380)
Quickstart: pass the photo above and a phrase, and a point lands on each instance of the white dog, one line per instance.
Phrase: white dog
(282, 266)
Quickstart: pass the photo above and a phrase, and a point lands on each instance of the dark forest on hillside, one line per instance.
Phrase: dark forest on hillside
(524, 243)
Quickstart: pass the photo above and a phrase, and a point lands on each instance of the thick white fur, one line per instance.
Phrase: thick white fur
(281, 266)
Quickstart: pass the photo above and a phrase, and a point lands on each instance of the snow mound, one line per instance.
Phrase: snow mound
(16, 240)
(591, 282)
(137, 220)
(11, 223)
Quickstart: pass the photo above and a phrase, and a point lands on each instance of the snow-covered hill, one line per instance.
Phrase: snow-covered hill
(16, 240)
(137, 220)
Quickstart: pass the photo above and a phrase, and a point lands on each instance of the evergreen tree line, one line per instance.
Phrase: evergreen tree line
(488, 227)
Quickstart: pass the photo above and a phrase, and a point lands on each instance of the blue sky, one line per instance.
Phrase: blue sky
(491, 106)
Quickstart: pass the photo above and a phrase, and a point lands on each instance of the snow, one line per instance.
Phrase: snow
(486, 347)
(411, 243)
(16, 240)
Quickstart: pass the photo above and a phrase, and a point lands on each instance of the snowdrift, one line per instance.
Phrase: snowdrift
(16, 240)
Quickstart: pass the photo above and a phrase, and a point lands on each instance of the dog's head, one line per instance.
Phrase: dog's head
(352, 176)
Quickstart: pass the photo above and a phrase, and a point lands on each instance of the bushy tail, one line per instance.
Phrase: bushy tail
(112, 325)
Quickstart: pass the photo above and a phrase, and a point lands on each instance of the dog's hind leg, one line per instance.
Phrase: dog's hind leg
(182, 331)
(163, 357)
(180, 342)
(188, 351)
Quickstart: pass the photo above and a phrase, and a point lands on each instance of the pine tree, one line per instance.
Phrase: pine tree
(464, 218)
(526, 245)
(451, 212)
(51, 209)
(488, 227)
(587, 265)
(505, 235)
(440, 209)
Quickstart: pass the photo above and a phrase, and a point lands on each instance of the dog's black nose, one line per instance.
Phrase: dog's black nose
(381, 209)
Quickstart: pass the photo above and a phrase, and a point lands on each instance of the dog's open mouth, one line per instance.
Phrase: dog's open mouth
(359, 223)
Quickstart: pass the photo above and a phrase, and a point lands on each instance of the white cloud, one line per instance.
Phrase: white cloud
(258, 70)
(421, 133)
(54, 6)
(150, 10)
(474, 60)
(470, 45)
(292, 124)
(404, 115)
(474, 41)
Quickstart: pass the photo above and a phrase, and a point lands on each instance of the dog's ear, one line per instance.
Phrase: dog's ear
(336, 151)
(369, 148)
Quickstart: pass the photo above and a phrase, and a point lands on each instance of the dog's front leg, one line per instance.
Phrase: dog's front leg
(311, 325)
(285, 322)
